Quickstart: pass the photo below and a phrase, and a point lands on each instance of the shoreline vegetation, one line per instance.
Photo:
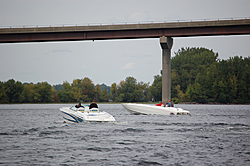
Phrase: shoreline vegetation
(197, 77)
(184, 103)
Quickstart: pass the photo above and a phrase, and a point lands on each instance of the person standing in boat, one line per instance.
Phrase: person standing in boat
(169, 103)
(93, 105)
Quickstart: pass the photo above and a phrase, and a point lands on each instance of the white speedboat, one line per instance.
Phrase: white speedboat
(77, 115)
(153, 110)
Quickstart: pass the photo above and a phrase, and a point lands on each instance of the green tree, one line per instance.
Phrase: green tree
(3, 95)
(25, 94)
(120, 92)
(131, 91)
(54, 95)
(219, 92)
(189, 62)
(67, 93)
(210, 75)
(246, 79)
(32, 93)
(43, 92)
(143, 91)
(88, 89)
(198, 95)
(60, 95)
(156, 88)
(14, 91)
(128, 89)
(113, 91)
(98, 93)
(174, 82)
(104, 95)
(233, 88)
(180, 94)
(77, 90)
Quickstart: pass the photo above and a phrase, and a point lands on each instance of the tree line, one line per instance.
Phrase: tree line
(82, 90)
(197, 75)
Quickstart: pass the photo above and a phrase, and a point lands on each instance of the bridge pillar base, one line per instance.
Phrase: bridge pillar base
(166, 45)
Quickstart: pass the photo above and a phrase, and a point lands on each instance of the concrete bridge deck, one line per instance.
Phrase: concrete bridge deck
(104, 32)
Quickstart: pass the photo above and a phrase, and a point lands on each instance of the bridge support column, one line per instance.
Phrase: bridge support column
(166, 45)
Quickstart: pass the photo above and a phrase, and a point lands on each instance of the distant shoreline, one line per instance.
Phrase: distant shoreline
(193, 103)
(187, 103)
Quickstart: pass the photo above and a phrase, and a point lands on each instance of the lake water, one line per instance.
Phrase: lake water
(35, 134)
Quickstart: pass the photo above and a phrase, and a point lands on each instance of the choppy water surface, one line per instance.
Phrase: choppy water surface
(212, 135)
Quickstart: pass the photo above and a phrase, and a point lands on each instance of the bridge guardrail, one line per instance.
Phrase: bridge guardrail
(123, 23)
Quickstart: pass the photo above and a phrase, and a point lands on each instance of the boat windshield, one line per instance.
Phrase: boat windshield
(73, 108)
(77, 109)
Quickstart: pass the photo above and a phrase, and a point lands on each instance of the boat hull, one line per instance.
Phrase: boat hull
(81, 116)
(153, 110)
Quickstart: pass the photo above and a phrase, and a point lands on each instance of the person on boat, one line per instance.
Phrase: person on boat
(169, 103)
(93, 105)
(78, 105)
(160, 104)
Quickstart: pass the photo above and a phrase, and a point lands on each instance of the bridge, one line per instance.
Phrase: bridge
(125, 31)
(165, 31)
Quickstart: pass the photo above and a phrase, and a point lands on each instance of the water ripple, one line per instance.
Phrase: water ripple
(213, 135)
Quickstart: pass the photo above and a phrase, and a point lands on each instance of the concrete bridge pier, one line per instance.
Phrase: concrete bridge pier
(166, 45)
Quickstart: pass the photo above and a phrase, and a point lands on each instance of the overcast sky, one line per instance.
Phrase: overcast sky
(109, 61)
